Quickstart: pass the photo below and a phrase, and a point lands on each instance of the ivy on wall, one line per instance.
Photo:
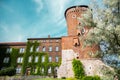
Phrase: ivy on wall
(36, 67)
(14, 55)
(79, 72)
(78, 69)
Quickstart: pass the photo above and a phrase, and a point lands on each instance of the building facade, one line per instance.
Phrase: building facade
(43, 56)
(37, 56)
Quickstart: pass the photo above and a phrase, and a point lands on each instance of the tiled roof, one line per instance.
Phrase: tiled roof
(12, 43)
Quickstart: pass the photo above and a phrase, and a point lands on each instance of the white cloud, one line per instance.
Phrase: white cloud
(11, 33)
(39, 4)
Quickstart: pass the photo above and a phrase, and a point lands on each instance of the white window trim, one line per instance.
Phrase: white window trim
(56, 59)
(56, 48)
(22, 50)
(43, 59)
(19, 59)
(37, 49)
(50, 59)
(6, 60)
(49, 70)
(18, 70)
(50, 48)
(36, 59)
(30, 59)
(44, 49)
(31, 49)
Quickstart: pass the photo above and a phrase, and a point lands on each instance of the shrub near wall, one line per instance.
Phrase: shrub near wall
(91, 78)
(10, 71)
(79, 72)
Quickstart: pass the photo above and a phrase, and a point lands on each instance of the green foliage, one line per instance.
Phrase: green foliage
(37, 65)
(91, 78)
(10, 71)
(13, 56)
(78, 69)
(71, 79)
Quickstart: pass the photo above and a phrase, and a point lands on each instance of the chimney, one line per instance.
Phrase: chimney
(48, 36)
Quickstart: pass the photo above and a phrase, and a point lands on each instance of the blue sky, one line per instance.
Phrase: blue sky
(22, 19)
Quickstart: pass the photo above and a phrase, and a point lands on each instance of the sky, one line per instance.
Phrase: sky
(22, 19)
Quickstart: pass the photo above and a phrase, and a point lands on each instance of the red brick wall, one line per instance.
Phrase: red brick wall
(71, 15)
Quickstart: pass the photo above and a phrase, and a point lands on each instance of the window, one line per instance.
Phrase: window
(37, 49)
(36, 59)
(6, 60)
(50, 40)
(50, 59)
(56, 48)
(44, 40)
(9, 50)
(50, 48)
(22, 50)
(44, 48)
(57, 40)
(74, 16)
(30, 59)
(42, 70)
(56, 69)
(20, 59)
(76, 42)
(83, 31)
(56, 58)
(43, 58)
(35, 70)
(31, 49)
(49, 70)
(18, 70)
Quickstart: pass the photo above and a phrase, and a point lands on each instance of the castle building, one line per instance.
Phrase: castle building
(43, 56)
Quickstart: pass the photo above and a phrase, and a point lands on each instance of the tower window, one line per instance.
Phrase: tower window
(73, 16)
(83, 31)
(76, 42)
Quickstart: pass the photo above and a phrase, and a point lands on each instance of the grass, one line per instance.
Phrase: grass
(48, 79)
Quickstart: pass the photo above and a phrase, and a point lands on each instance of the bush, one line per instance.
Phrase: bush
(78, 69)
(10, 71)
(71, 79)
(91, 78)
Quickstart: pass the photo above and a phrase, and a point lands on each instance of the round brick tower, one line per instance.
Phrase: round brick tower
(71, 15)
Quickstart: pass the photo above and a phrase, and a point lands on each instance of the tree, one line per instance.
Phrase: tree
(104, 27)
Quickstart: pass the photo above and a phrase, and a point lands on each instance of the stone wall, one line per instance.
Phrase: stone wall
(65, 70)
(92, 66)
